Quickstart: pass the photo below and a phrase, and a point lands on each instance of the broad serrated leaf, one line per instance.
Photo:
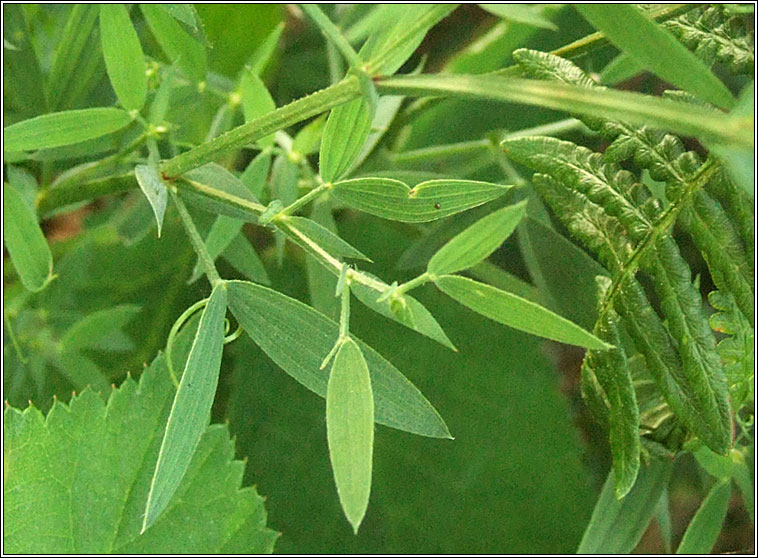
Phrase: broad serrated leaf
(215, 189)
(516, 312)
(191, 408)
(297, 338)
(704, 529)
(521, 13)
(90, 331)
(82, 372)
(477, 242)
(256, 101)
(123, 55)
(25, 242)
(181, 49)
(350, 429)
(63, 128)
(656, 49)
(427, 201)
(307, 231)
(155, 191)
(616, 525)
(76, 480)
(345, 132)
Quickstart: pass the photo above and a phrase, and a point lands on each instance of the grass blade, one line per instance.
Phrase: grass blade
(704, 529)
(123, 55)
(616, 525)
(297, 338)
(350, 429)
(516, 312)
(188, 54)
(477, 242)
(656, 49)
(192, 406)
(633, 108)
(26, 244)
(428, 201)
(63, 128)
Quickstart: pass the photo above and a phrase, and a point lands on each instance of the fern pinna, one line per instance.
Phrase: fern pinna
(667, 383)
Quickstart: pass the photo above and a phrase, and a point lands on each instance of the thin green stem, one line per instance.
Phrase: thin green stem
(12, 335)
(345, 313)
(180, 321)
(413, 283)
(332, 34)
(303, 200)
(237, 138)
(197, 242)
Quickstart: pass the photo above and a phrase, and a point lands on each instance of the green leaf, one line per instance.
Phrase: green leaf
(633, 108)
(704, 529)
(297, 338)
(123, 56)
(223, 231)
(477, 242)
(403, 29)
(184, 51)
(615, 377)
(345, 133)
(521, 13)
(82, 372)
(89, 332)
(255, 174)
(155, 191)
(743, 477)
(350, 429)
(516, 312)
(260, 58)
(308, 230)
(215, 189)
(26, 244)
(308, 138)
(430, 200)
(76, 480)
(256, 101)
(243, 257)
(618, 525)
(76, 64)
(63, 128)
(414, 315)
(656, 50)
(191, 408)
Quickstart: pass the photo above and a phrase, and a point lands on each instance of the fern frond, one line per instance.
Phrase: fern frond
(602, 206)
(614, 377)
(712, 34)
(581, 169)
(737, 349)
(723, 248)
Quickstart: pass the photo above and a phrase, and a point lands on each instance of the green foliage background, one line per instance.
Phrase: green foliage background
(526, 465)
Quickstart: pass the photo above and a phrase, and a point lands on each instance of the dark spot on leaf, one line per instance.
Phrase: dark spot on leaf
(437, 206)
